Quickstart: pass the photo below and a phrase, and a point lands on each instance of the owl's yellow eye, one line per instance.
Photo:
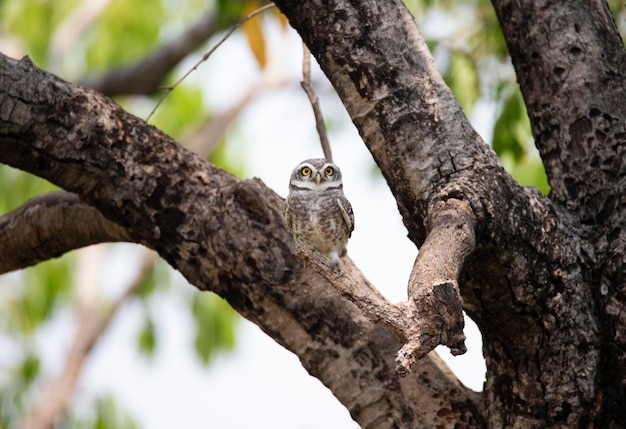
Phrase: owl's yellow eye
(329, 171)
(306, 171)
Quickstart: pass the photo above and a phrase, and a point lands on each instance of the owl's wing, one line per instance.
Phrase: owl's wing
(346, 212)
(288, 218)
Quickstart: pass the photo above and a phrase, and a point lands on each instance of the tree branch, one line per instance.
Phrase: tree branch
(433, 285)
(222, 234)
(50, 225)
(146, 75)
(307, 86)
(433, 315)
(571, 73)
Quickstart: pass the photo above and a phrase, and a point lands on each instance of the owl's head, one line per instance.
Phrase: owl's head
(316, 174)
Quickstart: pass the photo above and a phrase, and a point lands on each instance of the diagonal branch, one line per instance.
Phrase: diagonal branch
(222, 234)
(307, 86)
(433, 284)
(433, 314)
(50, 225)
(146, 75)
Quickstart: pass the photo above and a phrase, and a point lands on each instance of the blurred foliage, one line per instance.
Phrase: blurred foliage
(106, 414)
(183, 108)
(214, 325)
(34, 21)
(137, 22)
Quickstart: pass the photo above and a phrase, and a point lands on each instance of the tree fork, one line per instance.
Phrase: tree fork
(526, 282)
(223, 234)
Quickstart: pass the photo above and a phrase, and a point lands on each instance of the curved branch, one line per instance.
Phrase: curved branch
(433, 286)
(307, 86)
(145, 76)
(50, 225)
(222, 234)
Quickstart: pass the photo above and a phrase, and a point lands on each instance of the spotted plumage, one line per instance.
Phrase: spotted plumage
(317, 212)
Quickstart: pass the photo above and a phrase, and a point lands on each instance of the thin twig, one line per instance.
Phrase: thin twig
(315, 102)
(209, 53)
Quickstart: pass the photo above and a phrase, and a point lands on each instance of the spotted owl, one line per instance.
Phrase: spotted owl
(317, 212)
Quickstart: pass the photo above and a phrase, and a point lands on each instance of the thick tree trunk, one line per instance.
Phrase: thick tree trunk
(544, 278)
(571, 69)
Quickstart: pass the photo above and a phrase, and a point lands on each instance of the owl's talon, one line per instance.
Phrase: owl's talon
(336, 266)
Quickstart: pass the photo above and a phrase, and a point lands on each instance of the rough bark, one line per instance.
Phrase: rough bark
(50, 225)
(542, 277)
(222, 234)
(570, 68)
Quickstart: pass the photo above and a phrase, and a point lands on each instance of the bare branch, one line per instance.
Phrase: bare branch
(433, 284)
(355, 287)
(209, 53)
(315, 102)
(433, 315)
(145, 76)
(48, 226)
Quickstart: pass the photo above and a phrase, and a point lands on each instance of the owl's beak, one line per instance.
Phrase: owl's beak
(318, 179)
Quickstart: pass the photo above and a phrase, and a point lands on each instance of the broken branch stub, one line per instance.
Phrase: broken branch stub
(433, 287)
(433, 313)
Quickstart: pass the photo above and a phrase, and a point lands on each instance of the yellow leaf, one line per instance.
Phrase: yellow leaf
(254, 34)
(284, 22)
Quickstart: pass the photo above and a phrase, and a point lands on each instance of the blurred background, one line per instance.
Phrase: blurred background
(110, 336)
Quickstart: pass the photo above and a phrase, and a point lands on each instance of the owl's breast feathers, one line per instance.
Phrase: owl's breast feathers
(324, 221)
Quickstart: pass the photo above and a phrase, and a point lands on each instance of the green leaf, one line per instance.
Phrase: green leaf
(17, 186)
(531, 172)
(511, 132)
(45, 286)
(148, 283)
(110, 416)
(183, 108)
(147, 337)
(29, 369)
(215, 327)
(125, 32)
(34, 21)
(462, 78)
